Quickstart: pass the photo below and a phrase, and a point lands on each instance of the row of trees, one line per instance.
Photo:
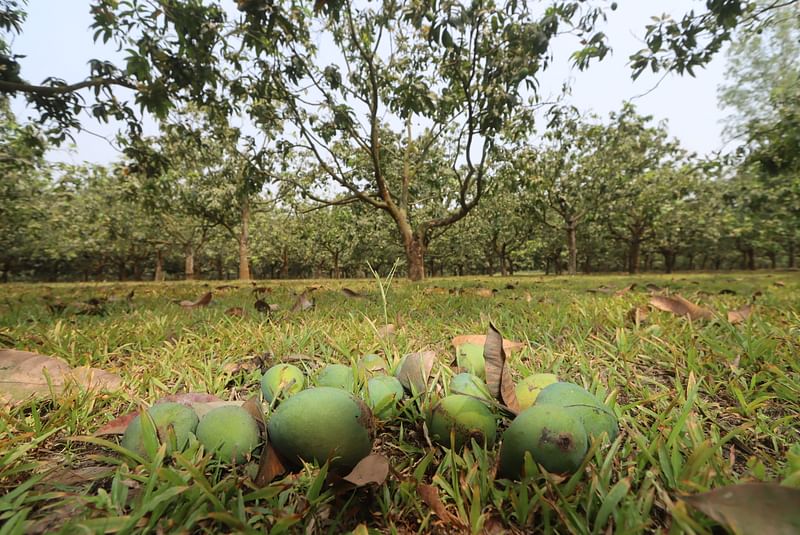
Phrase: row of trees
(412, 138)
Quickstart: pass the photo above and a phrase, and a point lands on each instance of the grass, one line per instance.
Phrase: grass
(701, 404)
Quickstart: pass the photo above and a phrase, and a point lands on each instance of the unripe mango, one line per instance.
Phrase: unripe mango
(230, 432)
(597, 419)
(169, 418)
(337, 376)
(528, 389)
(282, 380)
(469, 358)
(465, 417)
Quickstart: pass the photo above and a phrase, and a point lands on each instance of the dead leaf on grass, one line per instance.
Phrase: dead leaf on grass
(653, 288)
(76, 476)
(498, 376)
(303, 302)
(680, 307)
(528, 297)
(637, 315)
(434, 290)
(602, 289)
(763, 508)
(623, 291)
(387, 330)
(235, 312)
(270, 466)
(430, 496)
(203, 301)
(740, 315)
(416, 370)
(485, 292)
(24, 374)
(352, 294)
(779, 284)
(727, 291)
(373, 468)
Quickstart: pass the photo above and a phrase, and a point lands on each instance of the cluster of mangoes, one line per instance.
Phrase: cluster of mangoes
(333, 420)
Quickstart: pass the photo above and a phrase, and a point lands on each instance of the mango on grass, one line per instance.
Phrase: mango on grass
(469, 385)
(593, 413)
(555, 439)
(337, 376)
(230, 432)
(319, 424)
(463, 416)
(528, 389)
(469, 358)
(282, 380)
(384, 392)
(170, 419)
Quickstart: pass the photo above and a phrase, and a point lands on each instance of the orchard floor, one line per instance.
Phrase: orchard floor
(701, 404)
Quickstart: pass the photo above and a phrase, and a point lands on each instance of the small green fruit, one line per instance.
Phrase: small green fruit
(595, 416)
(469, 358)
(469, 385)
(370, 365)
(337, 376)
(319, 424)
(554, 438)
(230, 432)
(169, 418)
(528, 389)
(384, 392)
(282, 380)
(465, 417)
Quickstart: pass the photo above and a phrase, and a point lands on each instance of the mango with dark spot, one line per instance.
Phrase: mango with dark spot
(555, 439)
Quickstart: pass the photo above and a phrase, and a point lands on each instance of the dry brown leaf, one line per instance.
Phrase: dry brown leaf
(498, 376)
(509, 346)
(235, 312)
(76, 476)
(434, 290)
(387, 330)
(762, 508)
(740, 315)
(270, 466)
(352, 294)
(303, 302)
(637, 315)
(625, 290)
(416, 370)
(653, 288)
(528, 297)
(373, 468)
(680, 307)
(204, 300)
(485, 292)
(779, 284)
(430, 496)
(24, 374)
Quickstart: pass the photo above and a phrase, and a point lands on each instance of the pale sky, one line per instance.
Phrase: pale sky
(57, 41)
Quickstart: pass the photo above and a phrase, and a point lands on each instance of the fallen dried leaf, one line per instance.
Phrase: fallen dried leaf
(204, 300)
(373, 468)
(779, 284)
(637, 315)
(727, 291)
(416, 370)
(498, 376)
(270, 466)
(387, 330)
(485, 292)
(235, 312)
(740, 315)
(625, 290)
(24, 374)
(680, 307)
(763, 508)
(352, 294)
(303, 302)
(430, 496)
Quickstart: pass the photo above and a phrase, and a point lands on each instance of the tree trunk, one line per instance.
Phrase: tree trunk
(220, 265)
(285, 264)
(415, 256)
(159, 274)
(122, 271)
(572, 247)
(669, 260)
(773, 259)
(188, 264)
(751, 259)
(790, 251)
(337, 273)
(244, 250)
(503, 270)
(634, 252)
